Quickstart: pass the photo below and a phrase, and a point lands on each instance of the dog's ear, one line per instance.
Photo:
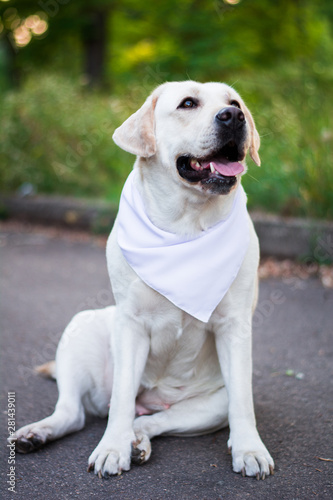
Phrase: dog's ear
(136, 135)
(255, 138)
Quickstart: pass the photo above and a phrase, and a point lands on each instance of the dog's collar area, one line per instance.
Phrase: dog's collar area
(217, 171)
(173, 264)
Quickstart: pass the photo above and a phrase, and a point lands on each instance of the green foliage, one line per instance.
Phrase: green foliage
(296, 176)
(57, 137)
(278, 55)
(209, 40)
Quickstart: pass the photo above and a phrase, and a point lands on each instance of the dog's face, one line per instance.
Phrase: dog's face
(200, 133)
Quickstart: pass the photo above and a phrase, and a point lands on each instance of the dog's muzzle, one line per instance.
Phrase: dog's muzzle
(217, 172)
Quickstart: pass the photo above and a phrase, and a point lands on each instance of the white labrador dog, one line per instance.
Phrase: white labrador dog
(148, 362)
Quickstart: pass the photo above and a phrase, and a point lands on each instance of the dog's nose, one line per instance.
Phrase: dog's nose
(231, 117)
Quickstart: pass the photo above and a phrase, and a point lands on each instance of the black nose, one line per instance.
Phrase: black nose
(231, 117)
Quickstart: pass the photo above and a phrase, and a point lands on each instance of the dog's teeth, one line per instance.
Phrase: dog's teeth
(195, 164)
(212, 168)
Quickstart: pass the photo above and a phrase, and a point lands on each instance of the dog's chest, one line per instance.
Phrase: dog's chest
(179, 352)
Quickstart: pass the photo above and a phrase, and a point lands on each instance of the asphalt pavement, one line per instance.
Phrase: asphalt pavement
(46, 278)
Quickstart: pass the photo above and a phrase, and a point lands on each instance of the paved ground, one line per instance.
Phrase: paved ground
(45, 280)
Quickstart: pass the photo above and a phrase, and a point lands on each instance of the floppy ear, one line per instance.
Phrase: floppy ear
(136, 135)
(255, 138)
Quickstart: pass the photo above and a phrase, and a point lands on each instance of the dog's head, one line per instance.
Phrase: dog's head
(200, 133)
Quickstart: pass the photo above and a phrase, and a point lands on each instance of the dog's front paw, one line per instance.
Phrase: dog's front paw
(111, 456)
(251, 458)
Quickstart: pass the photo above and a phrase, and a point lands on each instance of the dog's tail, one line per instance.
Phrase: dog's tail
(47, 370)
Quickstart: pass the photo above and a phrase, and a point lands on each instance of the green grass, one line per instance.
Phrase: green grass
(57, 136)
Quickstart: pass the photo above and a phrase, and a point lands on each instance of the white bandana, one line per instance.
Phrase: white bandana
(194, 274)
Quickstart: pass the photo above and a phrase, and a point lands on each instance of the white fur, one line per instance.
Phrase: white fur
(145, 355)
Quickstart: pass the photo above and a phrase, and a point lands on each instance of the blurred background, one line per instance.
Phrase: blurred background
(73, 70)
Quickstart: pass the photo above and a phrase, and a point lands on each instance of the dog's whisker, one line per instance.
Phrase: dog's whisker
(249, 175)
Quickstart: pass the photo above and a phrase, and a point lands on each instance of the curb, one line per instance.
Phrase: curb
(91, 215)
(281, 237)
(297, 238)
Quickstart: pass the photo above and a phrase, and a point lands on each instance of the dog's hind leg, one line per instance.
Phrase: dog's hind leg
(68, 416)
(79, 378)
(191, 417)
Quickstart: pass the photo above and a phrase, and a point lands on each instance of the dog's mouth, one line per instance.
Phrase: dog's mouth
(217, 172)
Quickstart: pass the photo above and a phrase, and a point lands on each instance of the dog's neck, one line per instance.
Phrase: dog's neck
(184, 210)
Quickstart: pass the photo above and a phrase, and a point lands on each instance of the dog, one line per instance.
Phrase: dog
(173, 356)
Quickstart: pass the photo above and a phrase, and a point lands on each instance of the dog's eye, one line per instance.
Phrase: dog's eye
(235, 103)
(188, 102)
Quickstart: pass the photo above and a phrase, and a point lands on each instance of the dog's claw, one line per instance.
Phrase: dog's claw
(100, 474)
(90, 468)
(24, 446)
(271, 470)
(137, 456)
(263, 476)
(258, 476)
(29, 443)
(243, 472)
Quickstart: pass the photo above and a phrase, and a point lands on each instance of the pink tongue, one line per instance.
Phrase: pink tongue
(229, 169)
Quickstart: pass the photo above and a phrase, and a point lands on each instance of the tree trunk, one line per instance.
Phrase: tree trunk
(94, 44)
(11, 69)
